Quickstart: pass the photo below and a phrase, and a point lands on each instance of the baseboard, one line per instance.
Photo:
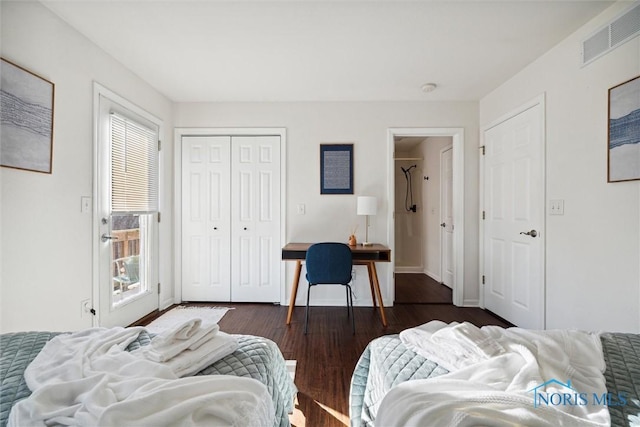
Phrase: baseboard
(471, 303)
(415, 269)
(434, 276)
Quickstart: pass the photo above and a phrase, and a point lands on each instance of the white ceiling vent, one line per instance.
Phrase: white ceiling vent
(620, 30)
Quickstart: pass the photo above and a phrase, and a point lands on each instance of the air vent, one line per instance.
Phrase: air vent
(620, 30)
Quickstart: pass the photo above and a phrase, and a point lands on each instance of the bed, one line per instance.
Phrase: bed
(386, 363)
(256, 357)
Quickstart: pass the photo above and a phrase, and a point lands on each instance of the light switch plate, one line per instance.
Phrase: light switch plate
(556, 207)
(85, 204)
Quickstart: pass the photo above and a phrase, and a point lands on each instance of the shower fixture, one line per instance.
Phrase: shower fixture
(408, 198)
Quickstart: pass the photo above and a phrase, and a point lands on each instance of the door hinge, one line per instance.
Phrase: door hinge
(158, 288)
(159, 145)
(483, 215)
(482, 147)
(483, 279)
(158, 216)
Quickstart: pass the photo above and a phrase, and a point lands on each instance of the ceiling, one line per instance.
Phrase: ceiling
(343, 50)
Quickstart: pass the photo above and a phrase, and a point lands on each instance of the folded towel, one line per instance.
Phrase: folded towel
(452, 346)
(189, 335)
(190, 362)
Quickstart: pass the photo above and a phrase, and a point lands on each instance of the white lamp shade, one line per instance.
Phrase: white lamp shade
(367, 205)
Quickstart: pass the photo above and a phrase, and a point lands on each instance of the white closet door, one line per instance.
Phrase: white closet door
(206, 218)
(255, 212)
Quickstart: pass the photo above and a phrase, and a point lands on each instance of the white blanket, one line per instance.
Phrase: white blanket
(496, 376)
(88, 379)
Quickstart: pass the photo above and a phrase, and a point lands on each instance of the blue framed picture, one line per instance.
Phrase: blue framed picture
(624, 131)
(336, 168)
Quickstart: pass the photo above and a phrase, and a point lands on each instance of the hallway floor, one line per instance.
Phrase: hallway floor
(417, 288)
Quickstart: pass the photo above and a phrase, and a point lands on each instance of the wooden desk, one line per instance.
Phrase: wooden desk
(362, 255)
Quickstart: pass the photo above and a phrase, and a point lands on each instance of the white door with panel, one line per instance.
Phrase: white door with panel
(206, 218)
(446, 223)
(514, 219)
(127, 195)
(255, 213)
(231, 218)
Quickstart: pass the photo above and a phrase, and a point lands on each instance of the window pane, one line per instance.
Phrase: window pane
(129, 254)
(134, 166)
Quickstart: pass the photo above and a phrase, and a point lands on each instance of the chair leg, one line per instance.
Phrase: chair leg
(306, 313)
(350, 302)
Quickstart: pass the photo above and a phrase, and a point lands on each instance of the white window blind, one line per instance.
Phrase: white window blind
(134, 167)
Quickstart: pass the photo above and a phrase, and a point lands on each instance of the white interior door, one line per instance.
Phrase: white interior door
(206, 218)
(255, 213)
(127, 244)
(446, 223)
(514, 219)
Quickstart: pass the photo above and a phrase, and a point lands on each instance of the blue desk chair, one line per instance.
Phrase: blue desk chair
(329, 264)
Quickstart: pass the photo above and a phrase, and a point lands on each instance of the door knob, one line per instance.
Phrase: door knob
(106, 237)
(443, 225)
(532, 233)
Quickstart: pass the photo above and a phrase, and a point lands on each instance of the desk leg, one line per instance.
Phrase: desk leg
(373, 295)
(294, 291)
(376, 285)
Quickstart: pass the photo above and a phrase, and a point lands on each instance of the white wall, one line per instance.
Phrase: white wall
(409, 236)
(332, 217)
(592, 276)
(46, 242)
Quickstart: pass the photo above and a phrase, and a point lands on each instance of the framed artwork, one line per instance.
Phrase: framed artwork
(26, 119)
(624, 131)
(336, 168)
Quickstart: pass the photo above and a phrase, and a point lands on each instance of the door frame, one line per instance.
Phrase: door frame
(457, 135)
(541, 101)
(98, 91)
(177, 208)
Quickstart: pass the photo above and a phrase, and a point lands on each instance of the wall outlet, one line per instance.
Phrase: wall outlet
(301, 209)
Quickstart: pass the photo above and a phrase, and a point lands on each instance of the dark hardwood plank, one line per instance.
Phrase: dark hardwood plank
(327, 355)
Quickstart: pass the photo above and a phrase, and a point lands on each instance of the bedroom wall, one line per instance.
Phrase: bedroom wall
(331, 217)
(592, 252)
(46, 242)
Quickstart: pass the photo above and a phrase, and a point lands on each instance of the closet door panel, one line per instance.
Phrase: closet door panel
(255, 219)
(206, 218)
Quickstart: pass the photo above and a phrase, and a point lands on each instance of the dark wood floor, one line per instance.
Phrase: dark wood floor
(327, 355)
(415, 288)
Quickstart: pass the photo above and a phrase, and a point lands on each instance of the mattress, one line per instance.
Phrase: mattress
(386, 362)
(256, 357)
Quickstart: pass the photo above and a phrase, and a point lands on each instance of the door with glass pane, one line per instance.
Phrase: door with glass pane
(127, 212)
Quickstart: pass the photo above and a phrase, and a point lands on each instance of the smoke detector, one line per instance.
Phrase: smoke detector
(429, 87)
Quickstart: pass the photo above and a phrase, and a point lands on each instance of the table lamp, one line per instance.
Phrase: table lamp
(367, 205)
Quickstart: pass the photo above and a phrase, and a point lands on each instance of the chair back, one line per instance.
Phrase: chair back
(329, 263)
(132, 268)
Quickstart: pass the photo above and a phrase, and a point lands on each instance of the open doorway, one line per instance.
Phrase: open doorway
(422, 210)
(427, 195)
